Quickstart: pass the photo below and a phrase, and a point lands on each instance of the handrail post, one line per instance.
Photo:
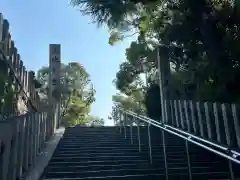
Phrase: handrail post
(120, 116)
(165, 155)
(119, 119)
(188, 160)
(231, 173)
(139, 138)
(131, 133)
(124, 125)
(149, 142)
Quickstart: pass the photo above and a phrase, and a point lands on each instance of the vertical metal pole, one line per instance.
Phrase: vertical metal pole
(162, 110)
(149, 142)
(124, 121)
(115, 117)
(231, 173)
(146, 77)
(188, 161)
(165, 154)
(161, 87)
(131, 133)
(120, 116)
(139, 138)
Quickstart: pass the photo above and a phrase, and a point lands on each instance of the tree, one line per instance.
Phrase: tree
(95, 121)
(133, 102)
(200, 39)
(119, 15)
(153, 102)
(76, 81)
(76, 112)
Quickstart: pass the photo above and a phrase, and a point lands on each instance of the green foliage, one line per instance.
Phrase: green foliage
(95, 121)
(78, 78)
(76, 112)
(8, 94)
(200, 39)
(111, 12)
(42, 77)
(133, 102)
(115, 37)
(75, 81)
(37, 83)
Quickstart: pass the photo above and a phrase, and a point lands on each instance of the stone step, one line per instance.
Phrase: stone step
(102, 173)
(104, 154)
(115, 177)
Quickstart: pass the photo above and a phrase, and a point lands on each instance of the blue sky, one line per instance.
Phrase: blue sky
(34, 24)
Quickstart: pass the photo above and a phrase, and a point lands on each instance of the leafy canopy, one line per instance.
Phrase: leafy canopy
(77, 91)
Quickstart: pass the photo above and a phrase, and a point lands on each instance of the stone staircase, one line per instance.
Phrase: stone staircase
(103, 153)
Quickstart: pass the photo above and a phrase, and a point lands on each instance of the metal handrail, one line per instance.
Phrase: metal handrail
(189, 137)
(195, 137)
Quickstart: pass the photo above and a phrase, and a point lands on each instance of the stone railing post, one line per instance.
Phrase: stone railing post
(21, 149)
(6, 138)
(14, 122)
(34, 120)
(38, 130)
(26, 143)
(235, 114)
(30, 160)
(26, 86)
(1, 27)
(18, 87)
(5, 34)
(29, 90)
(45, 126)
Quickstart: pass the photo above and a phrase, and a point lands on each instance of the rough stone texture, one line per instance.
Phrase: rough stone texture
(45, 156)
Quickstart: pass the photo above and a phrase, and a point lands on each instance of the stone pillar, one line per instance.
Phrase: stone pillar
(8, 47)
(21, 72)
(29, 90)
(41, 126)
(12, 52)
(31, 139)
(26, 143)
(6, 106)
(14, 149)
(15, 66)
(22, 149)
(17, 84)
(21, 81)
(18, 57)
(1, 27)
(35, 125)
(54, 81)
(5, 35)
(24, 85)
(26, 81)
(6, 137)
(12, 78)
(45, 131)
